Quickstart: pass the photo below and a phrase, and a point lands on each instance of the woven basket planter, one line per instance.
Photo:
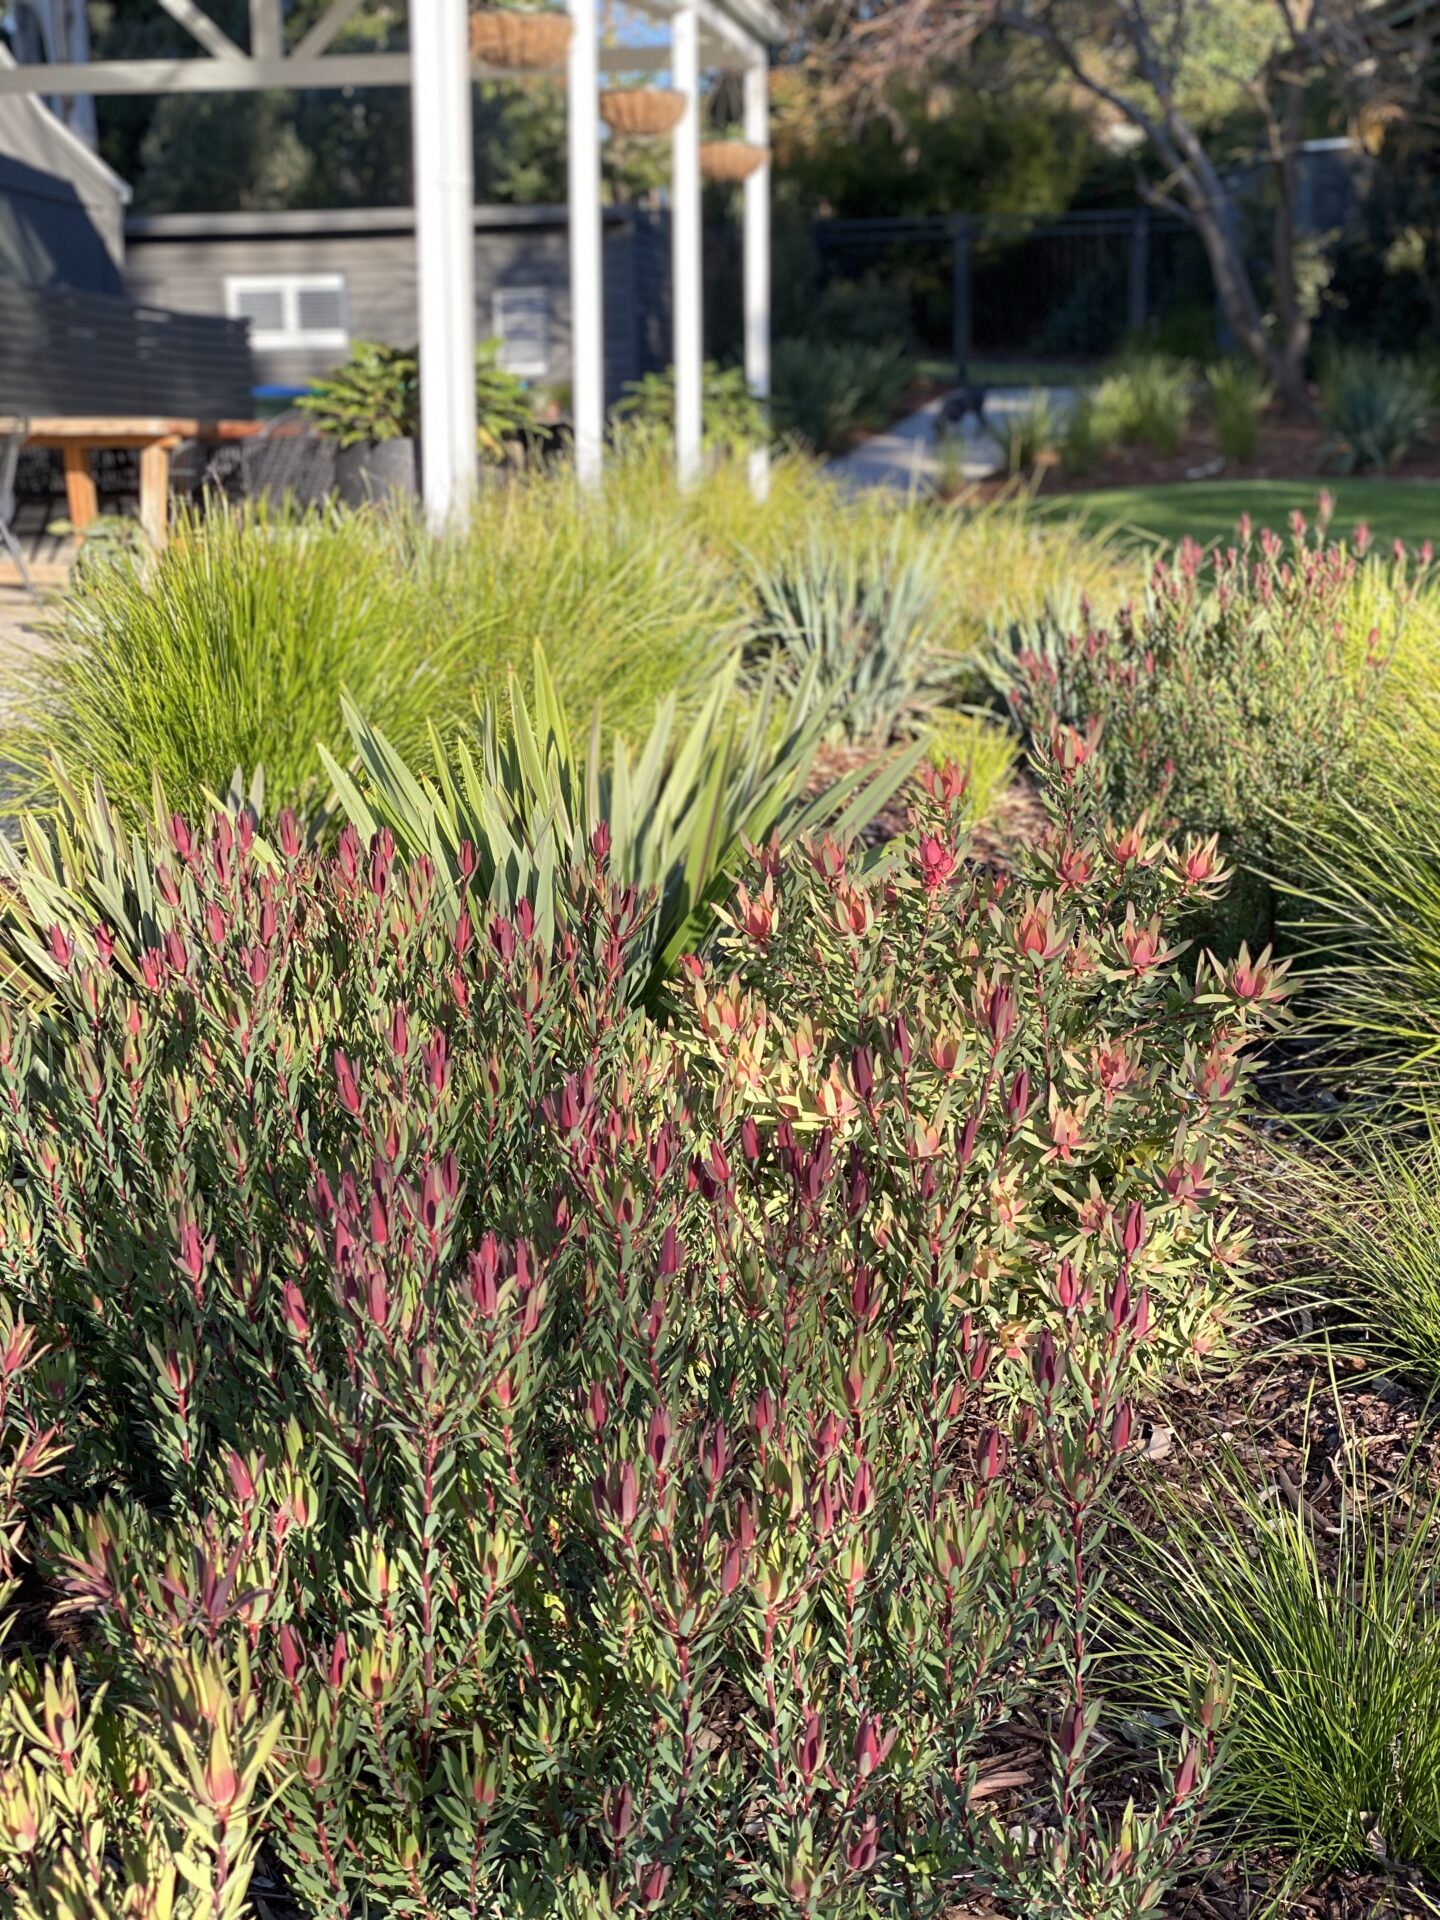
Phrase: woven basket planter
(646, 111)
(502, 38)
(731, 160)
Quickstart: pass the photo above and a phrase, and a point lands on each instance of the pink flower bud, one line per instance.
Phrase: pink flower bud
(872, 1747)
(619, 1812)
(934, 862)
(657, 1440)
(292, 1652)
(653, 1885)
(1000, 1015)
(1133, 1235)
(863, 1847)
(345, 1084)
(731, 1568)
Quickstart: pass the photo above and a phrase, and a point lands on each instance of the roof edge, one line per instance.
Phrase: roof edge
(82, 149)
(298, 222)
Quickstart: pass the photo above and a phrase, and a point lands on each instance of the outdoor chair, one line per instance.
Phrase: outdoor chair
(14, 432)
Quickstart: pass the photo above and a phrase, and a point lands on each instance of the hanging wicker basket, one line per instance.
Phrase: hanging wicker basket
(645, 111)
(503, 38)
(731, 160)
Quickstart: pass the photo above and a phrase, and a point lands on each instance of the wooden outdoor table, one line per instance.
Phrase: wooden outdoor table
(153, 437)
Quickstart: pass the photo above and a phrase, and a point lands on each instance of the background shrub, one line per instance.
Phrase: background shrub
(1238, 396)
(375, 396)
(1026, 434)
(1089, 433)
(1145, 399)
(1375, 406)
(862, 313)
(1228, 697)
(825, 392)
(734, 419)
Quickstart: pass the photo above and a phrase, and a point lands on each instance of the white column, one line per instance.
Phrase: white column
(688, 296)
(445, 238)
(757, 260)
(587, 306)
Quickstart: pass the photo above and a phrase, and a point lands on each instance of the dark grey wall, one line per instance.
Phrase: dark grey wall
(183, 261)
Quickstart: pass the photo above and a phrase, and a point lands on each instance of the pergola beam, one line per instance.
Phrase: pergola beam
(326, 30)
(756, 218)
(587, 255)
(240, 74)
(267, 35)
(445, 249)
(201, 27)
(685, 249)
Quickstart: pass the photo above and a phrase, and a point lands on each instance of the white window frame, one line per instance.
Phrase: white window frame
(290, 286)
(541, 371)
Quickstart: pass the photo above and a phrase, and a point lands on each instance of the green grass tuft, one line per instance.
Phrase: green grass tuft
(1331, 1642)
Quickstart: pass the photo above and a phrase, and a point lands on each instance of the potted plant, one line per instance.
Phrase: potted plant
(505, 415)
(370, 407)
(642, 112)
(519, 37)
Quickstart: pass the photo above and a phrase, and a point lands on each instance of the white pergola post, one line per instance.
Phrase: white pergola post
(688, 295)
(587, 300)
(445, 241)
(757, 262)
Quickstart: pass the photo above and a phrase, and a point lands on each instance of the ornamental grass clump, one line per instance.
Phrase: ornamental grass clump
(862, 625)
(1329, 1631)
(601, 1465)
(1369, 1216)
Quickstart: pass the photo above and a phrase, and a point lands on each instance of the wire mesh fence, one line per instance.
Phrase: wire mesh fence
(1071, 286)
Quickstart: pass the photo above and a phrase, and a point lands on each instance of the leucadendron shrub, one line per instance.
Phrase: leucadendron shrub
(1233, 695)
(639, 1463)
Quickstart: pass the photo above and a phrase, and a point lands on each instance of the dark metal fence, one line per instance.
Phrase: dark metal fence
(87, 353)
(1064, 286)
(1074, 284)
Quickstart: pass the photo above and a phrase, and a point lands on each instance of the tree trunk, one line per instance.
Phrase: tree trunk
(1292, 342)
(1199, 185)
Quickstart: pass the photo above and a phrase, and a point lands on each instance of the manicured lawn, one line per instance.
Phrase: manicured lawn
(1406, 510)
(1010, 373)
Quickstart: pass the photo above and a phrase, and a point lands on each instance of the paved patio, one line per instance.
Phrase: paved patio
(19, 617)
(907, 455)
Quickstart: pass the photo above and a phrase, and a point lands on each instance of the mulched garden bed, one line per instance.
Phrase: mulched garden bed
(1289, 450)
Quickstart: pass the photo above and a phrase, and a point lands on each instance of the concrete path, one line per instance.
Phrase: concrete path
(908, 457)
(19, 617)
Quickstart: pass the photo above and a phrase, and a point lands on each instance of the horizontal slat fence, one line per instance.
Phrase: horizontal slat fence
(86, 353)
